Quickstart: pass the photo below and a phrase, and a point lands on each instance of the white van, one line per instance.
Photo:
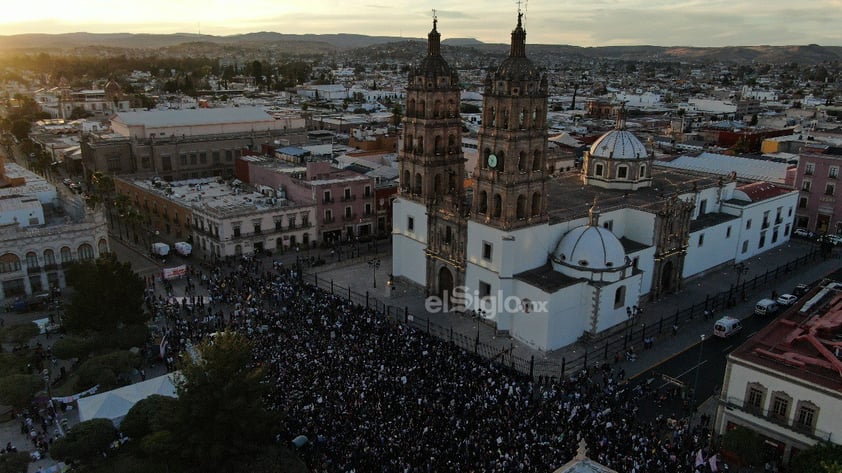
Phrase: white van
(766, 307)
(727, 326)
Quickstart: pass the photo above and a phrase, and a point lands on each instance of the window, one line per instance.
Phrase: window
(701, 239)
(348, 211)
(305, 219)
(229, 155)
(182, 159)
(802, 203)
(66, 255)
(347, 194)
(745, 247)
(748, 224)
(32, 260)
(368, 209)
(486, 251)
(291, 219)
(833, 173)
(327, 197)
(620, 297)
(410, 224)
(236, 228)
(257, 229)
(762, 242)
(484, 289)
(10, 263)
(703, 206)
(809, 169)
(279, 222)
(215, 157)
(608, 224)
(86, 252)
(755, 397)
(728, 232)
(806, 415)
(805, 185)
(367, 192)
(830, 189)
(328, 216)
(780, 406)
(622, 172)
(49, 258)
(193, 157)
(597, 170)
(203, 158)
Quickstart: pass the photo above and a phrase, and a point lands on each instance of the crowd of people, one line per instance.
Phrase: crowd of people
(374, 395)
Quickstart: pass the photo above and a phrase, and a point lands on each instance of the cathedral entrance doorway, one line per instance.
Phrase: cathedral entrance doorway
(445, 284)
(666, 278)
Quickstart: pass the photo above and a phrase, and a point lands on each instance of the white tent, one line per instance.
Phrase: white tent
(115, 404)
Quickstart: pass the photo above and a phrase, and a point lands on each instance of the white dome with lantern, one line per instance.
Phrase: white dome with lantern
(619, 144)
(618, 160)
(591, 252)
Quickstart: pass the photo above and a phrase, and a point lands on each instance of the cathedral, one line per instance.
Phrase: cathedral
(551, 259)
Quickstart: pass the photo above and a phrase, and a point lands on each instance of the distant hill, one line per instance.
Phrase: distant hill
(272, 42)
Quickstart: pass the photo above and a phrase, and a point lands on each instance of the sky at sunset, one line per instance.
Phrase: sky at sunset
(580, 23)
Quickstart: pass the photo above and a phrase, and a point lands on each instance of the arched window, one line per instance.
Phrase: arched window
(405, 182)
(521, 207)
(538, 121)
(238, 250)
(418, 182)
(620, 297)
(536, 160)
(451, 144)
(408, 145)
(437, 185)
(410, 108)
(642, 171)
(505, 118)
(597, 169)
(498, 206)
(522, 119)
(49, 257)
(438, 145)
(451, 109)
(536, 204)
(102, 246)
(422, 109)
(437, 110)
(9, 262)
(420, 148)
(32, 260)
(66, 255)
(491, 119)
(86, 252)
(483, 202)
(521, 162)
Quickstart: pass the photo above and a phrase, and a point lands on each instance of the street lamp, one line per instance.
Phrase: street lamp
(374, 263)
(696, 381)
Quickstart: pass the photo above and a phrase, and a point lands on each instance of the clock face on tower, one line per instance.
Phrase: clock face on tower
(492, 161)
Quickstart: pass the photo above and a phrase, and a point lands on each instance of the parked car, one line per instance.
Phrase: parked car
(727, 326)
(835, 240)
(787, 299)
(801, 289)
(803, 233)
(766, 307)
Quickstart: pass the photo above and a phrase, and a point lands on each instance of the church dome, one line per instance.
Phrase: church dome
(618, 144)
(518, 68)
(590, 248)
(433, 66)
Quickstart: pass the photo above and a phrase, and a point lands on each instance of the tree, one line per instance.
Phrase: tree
(107, 294)
(820, 458)
(12, 363)
(745, 443)
(21, 128)
(85, 441)
(15, 462)
(20, 333)
(71, 347)
(17, 390)
(106, 370)
(153, 414)
(222, 419)
(79, 112)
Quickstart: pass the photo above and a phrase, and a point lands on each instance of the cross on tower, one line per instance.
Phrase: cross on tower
(435, 18)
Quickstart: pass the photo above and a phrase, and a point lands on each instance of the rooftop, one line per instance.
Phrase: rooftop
(745, 168)
(803, 342)
(193, 117)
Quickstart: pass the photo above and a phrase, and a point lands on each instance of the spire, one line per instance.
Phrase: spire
(518, 48)
(434, 39)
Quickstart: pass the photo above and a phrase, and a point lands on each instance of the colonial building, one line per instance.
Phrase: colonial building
(220, 218)
(41, 230)
(183, 144)
(817, 179)
(549, 260)
(785, 382)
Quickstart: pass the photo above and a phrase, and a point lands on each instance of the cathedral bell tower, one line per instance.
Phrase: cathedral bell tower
(432, 165)
(511, 172)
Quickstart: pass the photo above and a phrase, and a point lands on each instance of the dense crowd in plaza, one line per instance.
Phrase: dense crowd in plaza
(373, 395)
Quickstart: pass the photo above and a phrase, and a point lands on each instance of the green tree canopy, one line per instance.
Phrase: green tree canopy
(745, 443)
(107, 295)
(221, 415)
(105, 370)
(17, 390)
(20, 333)
(71, 347)
(153, 414)
(85, 442)
(820, 458)
(16, 462)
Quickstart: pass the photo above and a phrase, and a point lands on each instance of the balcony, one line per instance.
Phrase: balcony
(734, 403)
(329, 219)
(327, 200)
(349, 198)
(349, 217)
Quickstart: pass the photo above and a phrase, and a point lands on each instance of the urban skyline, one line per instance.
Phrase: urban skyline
(598, 23)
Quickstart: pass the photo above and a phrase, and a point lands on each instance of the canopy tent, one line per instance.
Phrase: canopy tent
(115, 404)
